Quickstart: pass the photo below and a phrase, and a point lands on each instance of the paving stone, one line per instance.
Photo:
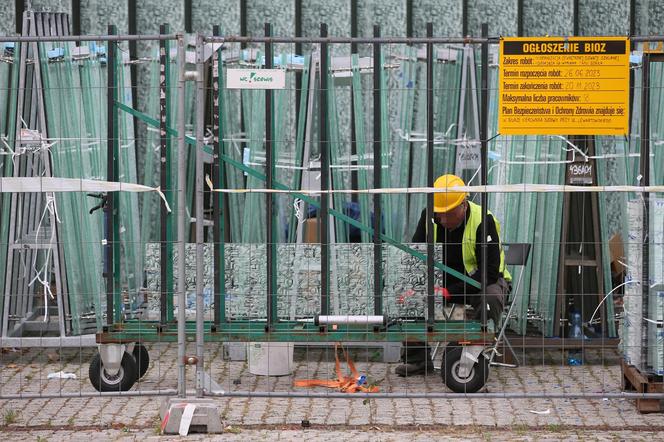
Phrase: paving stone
(72, 418)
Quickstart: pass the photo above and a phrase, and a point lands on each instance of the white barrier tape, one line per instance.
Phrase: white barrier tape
(187, 417)
(53, 184)
(497, 188)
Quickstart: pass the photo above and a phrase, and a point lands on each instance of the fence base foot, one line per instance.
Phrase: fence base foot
(190, 415)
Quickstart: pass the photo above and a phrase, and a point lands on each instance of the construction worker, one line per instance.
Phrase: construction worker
(458, 226)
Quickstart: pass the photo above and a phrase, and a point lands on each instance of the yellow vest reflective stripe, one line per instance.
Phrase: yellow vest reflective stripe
(470, 240)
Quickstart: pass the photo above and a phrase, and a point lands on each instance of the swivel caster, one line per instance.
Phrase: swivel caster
(142, 358)
(463, 371)
(119, 378)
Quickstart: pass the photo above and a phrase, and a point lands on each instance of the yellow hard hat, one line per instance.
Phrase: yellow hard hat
(446, 201)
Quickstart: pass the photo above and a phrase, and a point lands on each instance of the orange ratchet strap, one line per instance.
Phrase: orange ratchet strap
(345, 384)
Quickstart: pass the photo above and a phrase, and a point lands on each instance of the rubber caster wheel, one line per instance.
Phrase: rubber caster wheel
(450, 345)
(458, 382)
(123, 380)
(142, 358)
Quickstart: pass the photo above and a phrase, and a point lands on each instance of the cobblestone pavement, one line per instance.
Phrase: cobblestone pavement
(136, 418)
(357, 435)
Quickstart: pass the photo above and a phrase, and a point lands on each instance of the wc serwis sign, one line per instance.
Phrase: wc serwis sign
(255, 79)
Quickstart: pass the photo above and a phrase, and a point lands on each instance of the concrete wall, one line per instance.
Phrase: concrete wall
(553, 17)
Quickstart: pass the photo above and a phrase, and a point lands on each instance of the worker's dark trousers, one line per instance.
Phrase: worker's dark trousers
(414, 352)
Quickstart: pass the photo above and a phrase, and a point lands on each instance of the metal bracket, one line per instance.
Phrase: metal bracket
(209, 384)
(111, 356)
(469, 357)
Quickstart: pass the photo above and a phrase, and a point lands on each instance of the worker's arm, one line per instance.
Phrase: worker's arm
(458, 287)
(421, 230)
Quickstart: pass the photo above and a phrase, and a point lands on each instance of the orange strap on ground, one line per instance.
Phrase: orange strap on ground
(346, 384)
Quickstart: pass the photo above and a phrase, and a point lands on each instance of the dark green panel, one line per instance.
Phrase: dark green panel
(246, 331)
(7, 17)
(97, 15)
(603, 17)
(281, 13)
(225, 13)
(548, 17)
(389, 14)
(446, 16)
(649, 17)
(501, 15)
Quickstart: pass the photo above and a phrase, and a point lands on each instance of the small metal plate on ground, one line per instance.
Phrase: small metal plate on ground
(190, 415)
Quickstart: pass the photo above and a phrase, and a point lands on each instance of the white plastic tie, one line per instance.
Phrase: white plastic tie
(297, 206)
(163, 198)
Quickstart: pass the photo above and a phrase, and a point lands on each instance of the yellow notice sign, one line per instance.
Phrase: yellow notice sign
(564, 86)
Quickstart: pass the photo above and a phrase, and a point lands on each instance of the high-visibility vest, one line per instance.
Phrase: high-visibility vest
(470, 240)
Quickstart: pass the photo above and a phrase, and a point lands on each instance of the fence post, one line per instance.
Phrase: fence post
(430, 302)
(112, 301)
(378, 170)
(484, 115)
(182, 219)
(200, 173)
(324, 211)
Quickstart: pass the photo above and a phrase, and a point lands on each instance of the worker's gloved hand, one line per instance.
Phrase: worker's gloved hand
(442, 291)
(405, 296)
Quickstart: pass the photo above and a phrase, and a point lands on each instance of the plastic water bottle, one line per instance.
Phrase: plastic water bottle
(207, 297)
(575, 357)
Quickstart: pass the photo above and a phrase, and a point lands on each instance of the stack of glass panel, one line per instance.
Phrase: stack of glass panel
(352, 264)
(9, 78)
(74, 90)
(642, 338)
